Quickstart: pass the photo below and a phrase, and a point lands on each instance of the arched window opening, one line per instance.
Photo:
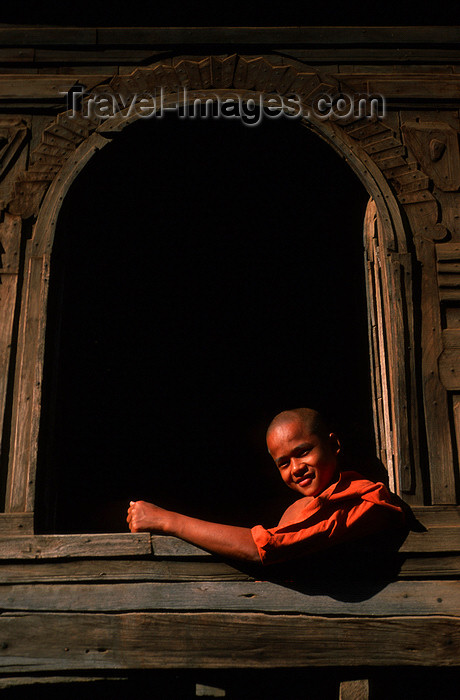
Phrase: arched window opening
(204, 276)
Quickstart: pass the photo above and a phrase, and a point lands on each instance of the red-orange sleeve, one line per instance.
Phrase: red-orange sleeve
(330, 524)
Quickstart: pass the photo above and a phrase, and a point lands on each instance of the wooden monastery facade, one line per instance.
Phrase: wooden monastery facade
(94, 604)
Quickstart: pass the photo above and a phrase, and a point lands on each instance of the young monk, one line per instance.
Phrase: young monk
(333, 507)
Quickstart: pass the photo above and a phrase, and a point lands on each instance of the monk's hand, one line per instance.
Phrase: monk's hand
(146, 517)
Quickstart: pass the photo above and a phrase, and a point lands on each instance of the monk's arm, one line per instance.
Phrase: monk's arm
(225, 540)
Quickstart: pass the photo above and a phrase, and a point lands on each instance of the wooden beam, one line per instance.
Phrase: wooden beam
(354, 690)
(399, 598)
(439, 539)
(42, 642)
(279, 35)
(292, 36)
(435, 540)
(194, 569)
(437, 516)
(118, 569)
(62, 546)
(22, 681)
(16, 524)
(404, 86)
(62, 36)
(33, 86)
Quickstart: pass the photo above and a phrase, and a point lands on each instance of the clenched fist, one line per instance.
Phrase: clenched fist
(147, 517)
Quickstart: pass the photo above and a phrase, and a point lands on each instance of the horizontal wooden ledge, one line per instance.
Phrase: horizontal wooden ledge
(39, 86)
(437, 516)
(434, 540)
(42, 642)
(390, 85)
(62, 546)
(193, 569)
(65, 36)
(400, 598)
(403, 86)
(21, 681)
(84, 55)
(16, 523)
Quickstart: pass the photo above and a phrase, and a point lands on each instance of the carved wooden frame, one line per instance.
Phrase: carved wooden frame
(376, 152)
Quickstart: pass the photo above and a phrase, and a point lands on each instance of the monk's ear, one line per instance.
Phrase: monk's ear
(335, 442)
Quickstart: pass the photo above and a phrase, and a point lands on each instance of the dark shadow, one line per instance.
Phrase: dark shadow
(205, 275)
(350, 572)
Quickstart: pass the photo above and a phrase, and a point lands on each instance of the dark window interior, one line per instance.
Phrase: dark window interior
(205, 276)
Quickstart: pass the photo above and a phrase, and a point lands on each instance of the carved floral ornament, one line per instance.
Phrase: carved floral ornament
(249, 76)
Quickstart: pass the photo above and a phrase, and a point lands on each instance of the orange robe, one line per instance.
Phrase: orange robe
(350, 508)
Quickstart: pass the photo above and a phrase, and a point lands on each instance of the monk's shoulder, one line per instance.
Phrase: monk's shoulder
(295, 510)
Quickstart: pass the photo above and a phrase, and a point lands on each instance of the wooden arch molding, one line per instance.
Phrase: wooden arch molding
(68, 143)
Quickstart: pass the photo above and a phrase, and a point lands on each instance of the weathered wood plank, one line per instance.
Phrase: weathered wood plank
(449, 369)
(56, 546)
(110, 570)
(430, 566)
(451, 336)
(437, 516)
(164, 546)
(21, 681)
(187, 569)
(404, 86)
(16, 55)
(439, 438)
(65, 641)
(345, 36)
(399, 598)
(25, 410)
(354, 690)
(16, 523)
(8, 300)
(39, 86)
(97, 56)
(278, 35)
(437, 539)
(364, 54)
(29, 36)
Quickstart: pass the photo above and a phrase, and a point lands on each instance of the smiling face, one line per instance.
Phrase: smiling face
(307, 461)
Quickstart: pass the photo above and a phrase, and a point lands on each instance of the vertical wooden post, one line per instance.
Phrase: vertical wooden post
(28, 380)
(354, 690)
(10, 235)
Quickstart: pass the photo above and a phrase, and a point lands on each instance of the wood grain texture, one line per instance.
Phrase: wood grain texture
(354, 690)
(119, 570)
(448, 271)
(449, 369)
(437, 516)
(444, 169)
(16, 524)
(62, 546)
(399, 598)
(22, 681)
(26, 406)
(342, 36)
(438, 433)
(67, 641)
(435, 540)
(39, 86)
(197, 569)
(438, 539)
(439, 87)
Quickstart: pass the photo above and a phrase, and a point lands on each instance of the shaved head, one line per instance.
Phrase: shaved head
(310, 418)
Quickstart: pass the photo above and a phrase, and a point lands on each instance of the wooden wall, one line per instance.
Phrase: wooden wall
(90, 603)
